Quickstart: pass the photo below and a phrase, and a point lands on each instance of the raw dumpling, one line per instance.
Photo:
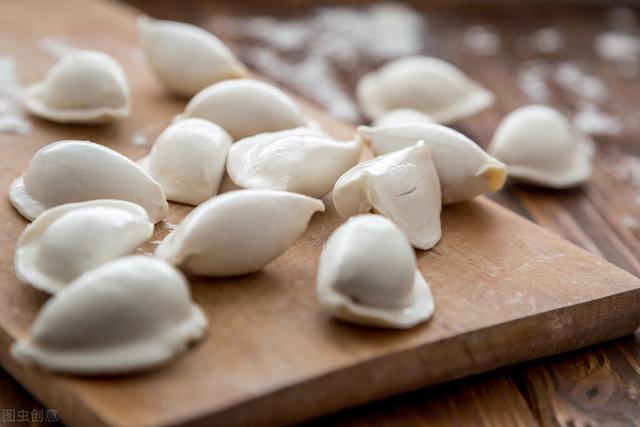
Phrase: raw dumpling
(188, 160)
(186, 58)
(238, 232)
(367, 275)
(426, 84)
(76, 171)
(540, 147)
(69, 240)
(400, 116)
(131, 314)
(299, 161)
(403, 186)
(245, 107)
(465, 169)
(85, 86)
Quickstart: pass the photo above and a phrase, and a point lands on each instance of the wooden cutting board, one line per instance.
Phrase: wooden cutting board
(505, 289)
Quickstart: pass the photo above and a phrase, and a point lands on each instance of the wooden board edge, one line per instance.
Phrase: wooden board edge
(338, 390)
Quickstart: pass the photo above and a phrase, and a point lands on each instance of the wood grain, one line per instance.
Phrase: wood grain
(549, 212)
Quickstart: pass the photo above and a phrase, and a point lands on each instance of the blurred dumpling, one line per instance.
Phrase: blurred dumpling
(401, 116)
(131, 314)
(186, 58)
(188, 160)
(85, 86)
(245, 107)
(422, 83)
(77, 171)
(539, 146)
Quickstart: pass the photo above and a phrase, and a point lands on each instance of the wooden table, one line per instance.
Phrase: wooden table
(595, 386)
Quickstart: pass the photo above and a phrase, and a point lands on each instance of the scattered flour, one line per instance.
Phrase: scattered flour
(591, 121)
(307, 53)
(630, 222)
(617, 46)
(12, 115)
(169, 226)
(139, 138)
(570, 76)
(546, 40)
(482, 40)
(57, 47)
(532, 81)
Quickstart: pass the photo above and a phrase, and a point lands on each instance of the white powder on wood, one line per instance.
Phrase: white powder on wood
(12, 114)
(532, 81)
(482, 40)
(305, 53)
(546, 40)
(591, 121)
(570, 76)
(139, 139)
(57, 47)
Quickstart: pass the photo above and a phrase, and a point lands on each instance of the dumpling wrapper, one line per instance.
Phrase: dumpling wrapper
(85, 86)
(245, 107)
(188, 160)
(169, 45)
(238, 232)
(77, 171)
(465, 170)
(131, 314)
(403, 186)
(422, 83)
(540, 147)
(401, 116)
(299, 161)
(367, 275)
(69, 240)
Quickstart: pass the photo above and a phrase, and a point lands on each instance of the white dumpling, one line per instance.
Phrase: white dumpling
(131, 314)
(465, 169)
(300, 161)
(188, 160)
(238, 232)
(367, 275)
(400, 116)
(77, 171)
(186, 58)
(539, 146)
(69, 240)
(422, 83)
(403, 186)
(245, 107)
(85, 86)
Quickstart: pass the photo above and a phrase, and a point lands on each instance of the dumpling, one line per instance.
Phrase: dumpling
(188, 160)
(69, 240)
(403, 186)
(245, 107)
(367, 275)
(465, 169)
(422, 83)
(186, 58)
(131, 314)
(540, 147)
(299, 161)
(85, 86)
(400, 116)
(238, 232)
(76, 171)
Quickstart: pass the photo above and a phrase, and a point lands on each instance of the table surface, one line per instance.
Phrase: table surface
(594, 386)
